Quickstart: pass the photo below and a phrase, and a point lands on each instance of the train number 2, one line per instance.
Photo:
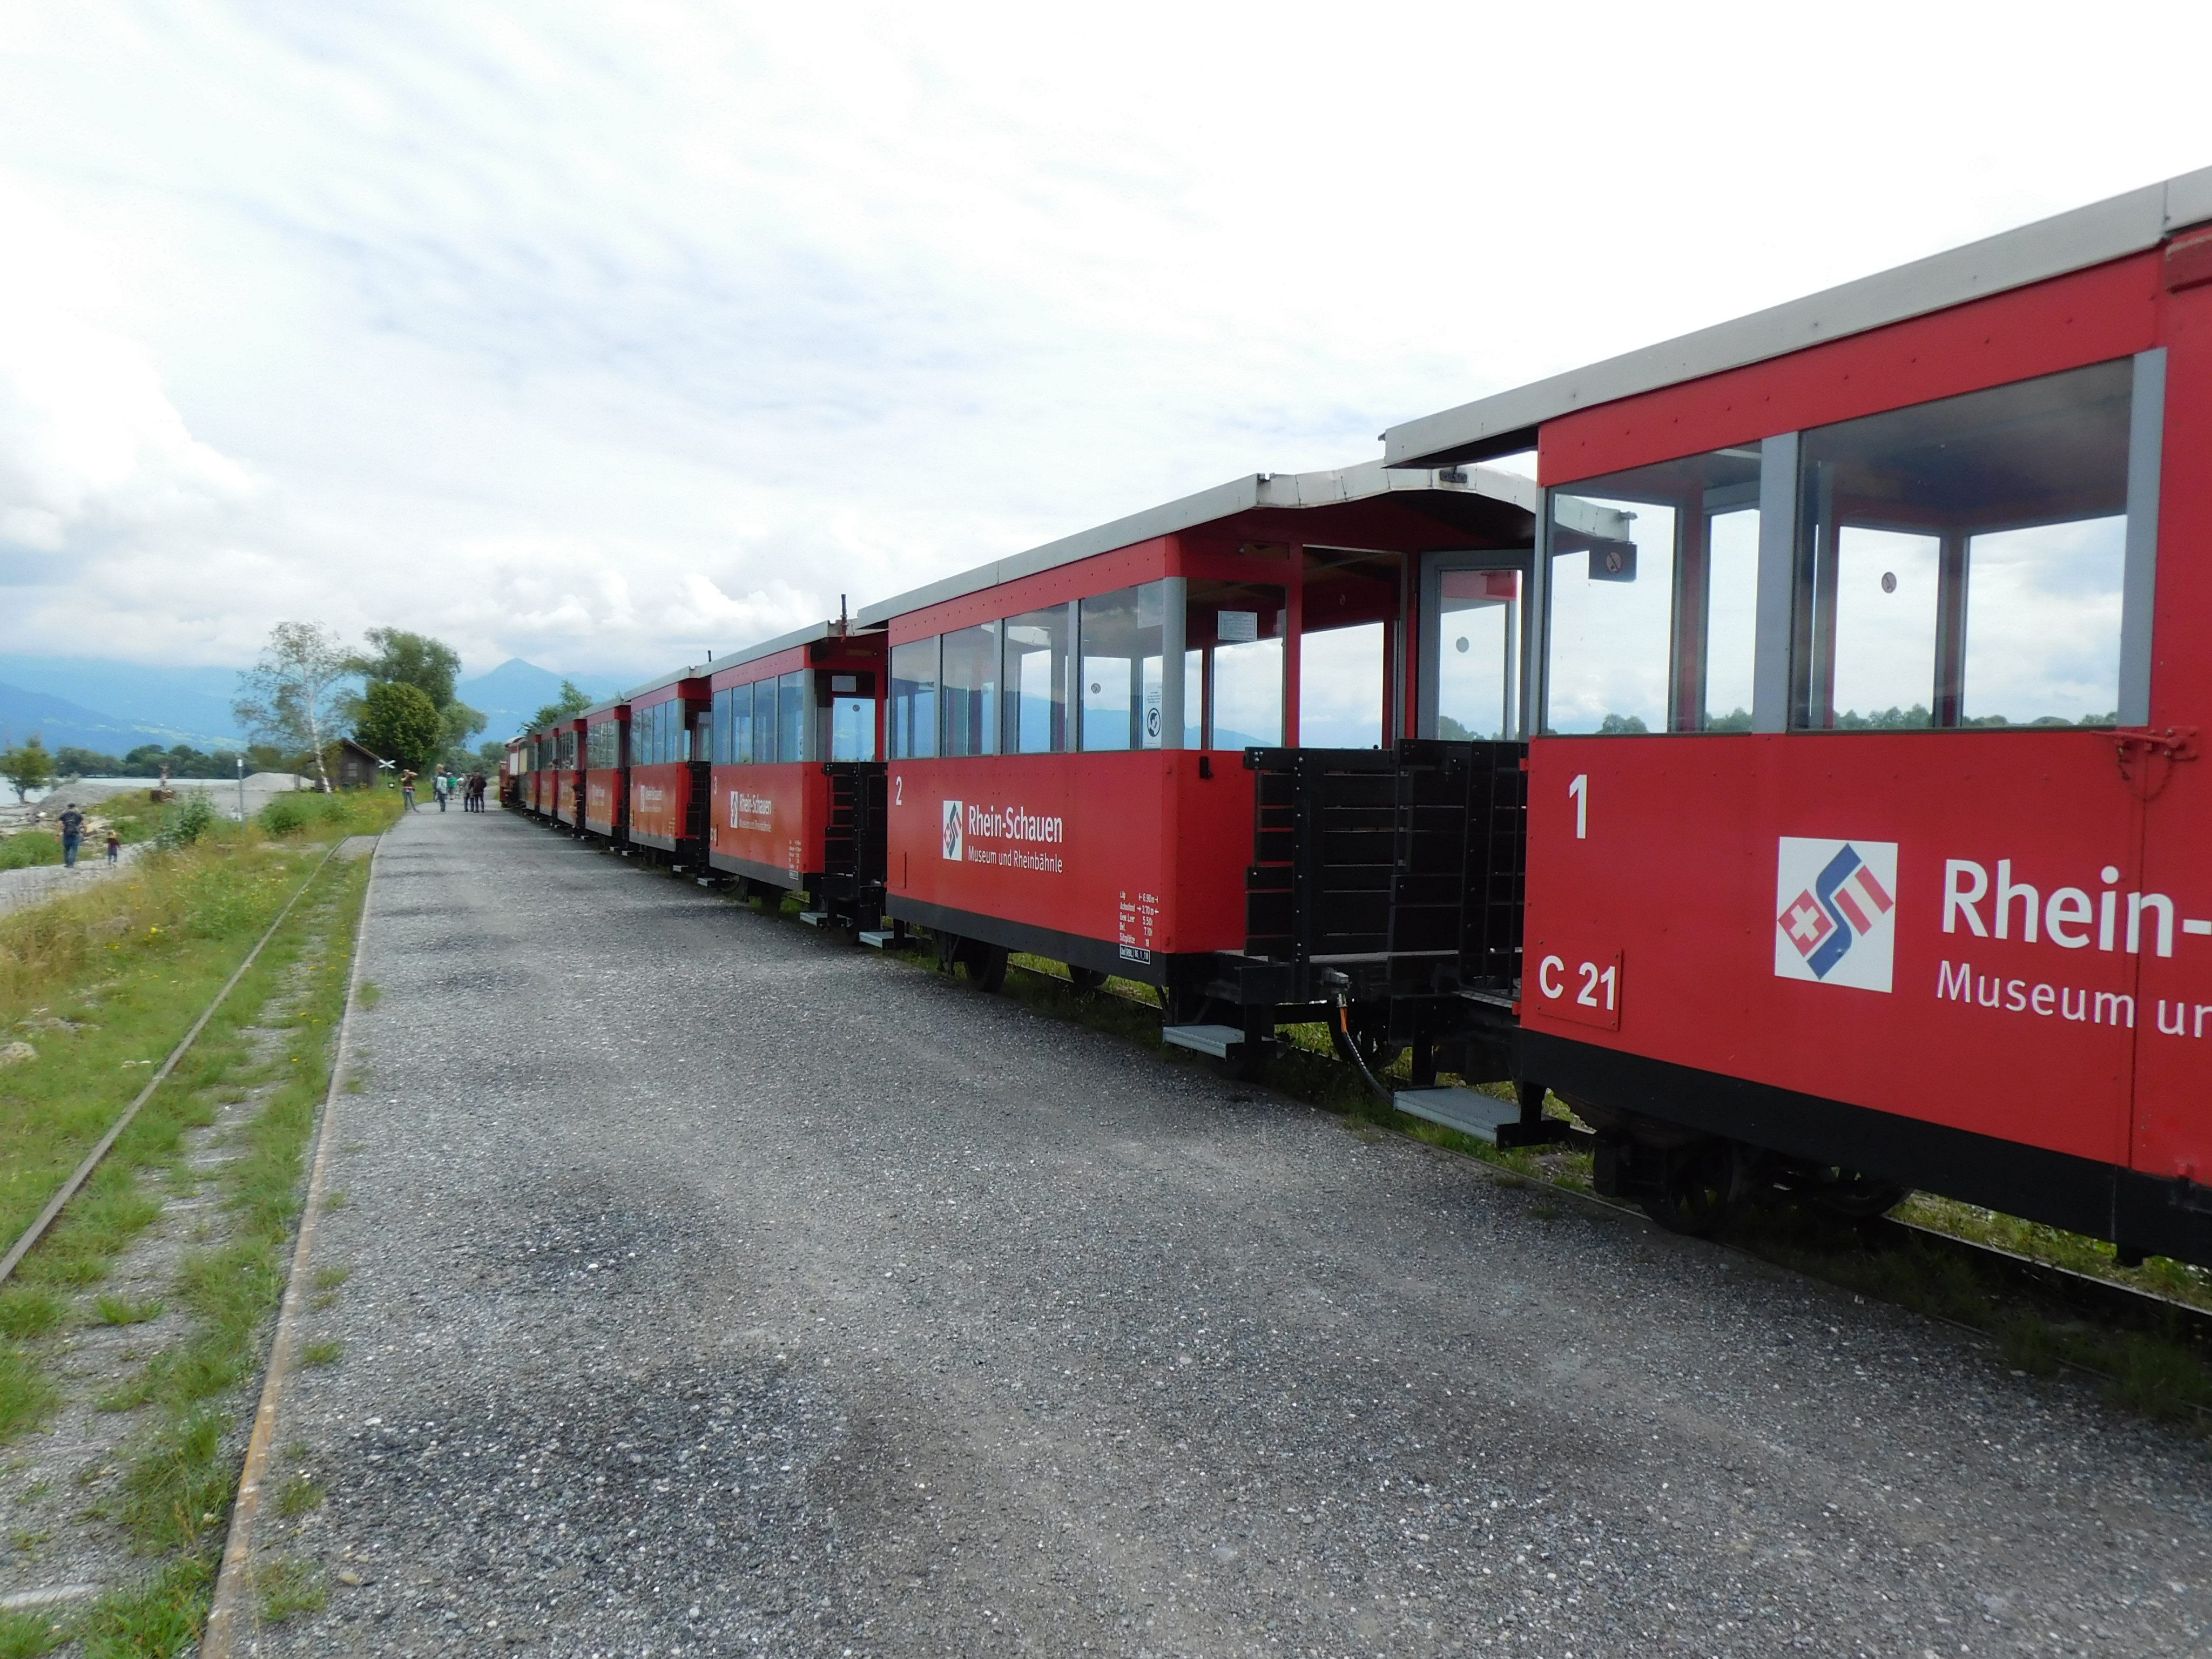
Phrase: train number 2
(1582, 985)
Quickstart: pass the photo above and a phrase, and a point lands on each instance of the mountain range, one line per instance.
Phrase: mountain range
(115, 707)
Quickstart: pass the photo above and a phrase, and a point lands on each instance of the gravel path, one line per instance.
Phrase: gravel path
(718, 1288)
(37, 883)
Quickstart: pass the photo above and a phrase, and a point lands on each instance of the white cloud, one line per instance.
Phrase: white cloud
(607, 337)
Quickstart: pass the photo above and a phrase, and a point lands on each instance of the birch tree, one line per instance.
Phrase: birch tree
(287, 697)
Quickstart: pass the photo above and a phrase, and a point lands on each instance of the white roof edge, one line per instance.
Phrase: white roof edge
(1254, 489)
(2069, 241)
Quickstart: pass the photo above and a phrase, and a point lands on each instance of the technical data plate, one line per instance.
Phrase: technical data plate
(1215, 1040)
(1467, 1111)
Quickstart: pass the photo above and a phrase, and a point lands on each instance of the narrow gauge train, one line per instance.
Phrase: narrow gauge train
(1799, 781)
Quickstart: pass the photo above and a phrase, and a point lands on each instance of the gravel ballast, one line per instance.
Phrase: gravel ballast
(718, 1287)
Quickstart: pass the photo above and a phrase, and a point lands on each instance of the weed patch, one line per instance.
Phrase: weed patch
(158, 1619)
(289, 1588)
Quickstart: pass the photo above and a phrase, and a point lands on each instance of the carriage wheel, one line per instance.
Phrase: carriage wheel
(1086, 979)
(1698, 1190)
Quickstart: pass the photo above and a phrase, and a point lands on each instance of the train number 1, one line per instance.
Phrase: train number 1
(1580, 790)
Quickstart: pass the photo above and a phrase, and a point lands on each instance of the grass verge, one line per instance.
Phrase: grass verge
(98, 985)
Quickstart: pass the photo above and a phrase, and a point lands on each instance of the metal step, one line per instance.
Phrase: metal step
(1215, 1040)
(1468, 1111)
(814, 918)
(882, 939)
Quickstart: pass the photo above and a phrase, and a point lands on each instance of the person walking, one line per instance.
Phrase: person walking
(438, 786)
(407, 789)
(114, 846)
(72, 823)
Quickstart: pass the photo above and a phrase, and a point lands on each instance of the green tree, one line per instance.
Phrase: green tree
(490, 757)
(572, 703)
(398, 658)
(456, 724)
(27, 767)
(399, 722)
(287, 696)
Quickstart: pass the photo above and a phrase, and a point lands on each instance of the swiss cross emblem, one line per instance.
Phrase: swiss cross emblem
(1806, 922)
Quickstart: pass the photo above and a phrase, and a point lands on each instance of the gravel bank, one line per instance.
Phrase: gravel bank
(717, 1288)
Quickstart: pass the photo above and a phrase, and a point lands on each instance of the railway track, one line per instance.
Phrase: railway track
(45, 1218)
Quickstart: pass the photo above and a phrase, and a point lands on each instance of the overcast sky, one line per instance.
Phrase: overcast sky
(603, 335)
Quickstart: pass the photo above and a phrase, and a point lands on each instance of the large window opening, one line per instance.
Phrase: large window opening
(1038, 664)
(1233, 664)
(849, 709)
(1123, 685)
(1959, 562)
(1478, 639)
(970, 695)
(1349, 647)
(913, 714)
(1654, 587)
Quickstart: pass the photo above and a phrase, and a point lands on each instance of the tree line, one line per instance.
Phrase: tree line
(394, 695)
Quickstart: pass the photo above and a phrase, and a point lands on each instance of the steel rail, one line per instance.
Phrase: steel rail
(55, 1205)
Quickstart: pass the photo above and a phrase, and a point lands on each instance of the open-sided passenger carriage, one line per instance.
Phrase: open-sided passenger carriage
(1866, 650)
(1080, 736)
(798, 783)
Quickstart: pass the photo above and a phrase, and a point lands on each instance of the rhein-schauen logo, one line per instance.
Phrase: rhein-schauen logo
(955, 834)
(1836, 912)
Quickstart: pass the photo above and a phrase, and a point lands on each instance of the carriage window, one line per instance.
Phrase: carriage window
(1959, 563)
(913, 699)
(852, 715)
(970, 693)
(734, 726)
(790, 716)
(1233, 649)
(603, 743)
(1036, 676)
(1347, 670)
(1654, 584)
(1479, 633)
(1119, 635)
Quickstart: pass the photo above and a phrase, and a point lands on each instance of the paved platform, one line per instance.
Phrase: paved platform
(718, 1287)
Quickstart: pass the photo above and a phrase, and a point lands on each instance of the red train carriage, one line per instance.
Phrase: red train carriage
(567, 778)
(513, 770)
(668, 744)
(797, 781)
(1058, 720)
(606, 771)
(543, 750)
(1864, 653)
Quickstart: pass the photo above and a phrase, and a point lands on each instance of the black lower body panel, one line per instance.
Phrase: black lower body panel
(2104, 1200)
(1102, 955)
(774, 874)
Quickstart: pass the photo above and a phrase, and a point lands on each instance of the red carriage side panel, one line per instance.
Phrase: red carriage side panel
(2173, 1128)
(769, 821)
(1132, 852)
(1665, 861)
(659, 803)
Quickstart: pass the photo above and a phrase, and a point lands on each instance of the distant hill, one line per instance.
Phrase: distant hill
(114, 707)
(169, 705)
(511, 693)
(59, 722)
